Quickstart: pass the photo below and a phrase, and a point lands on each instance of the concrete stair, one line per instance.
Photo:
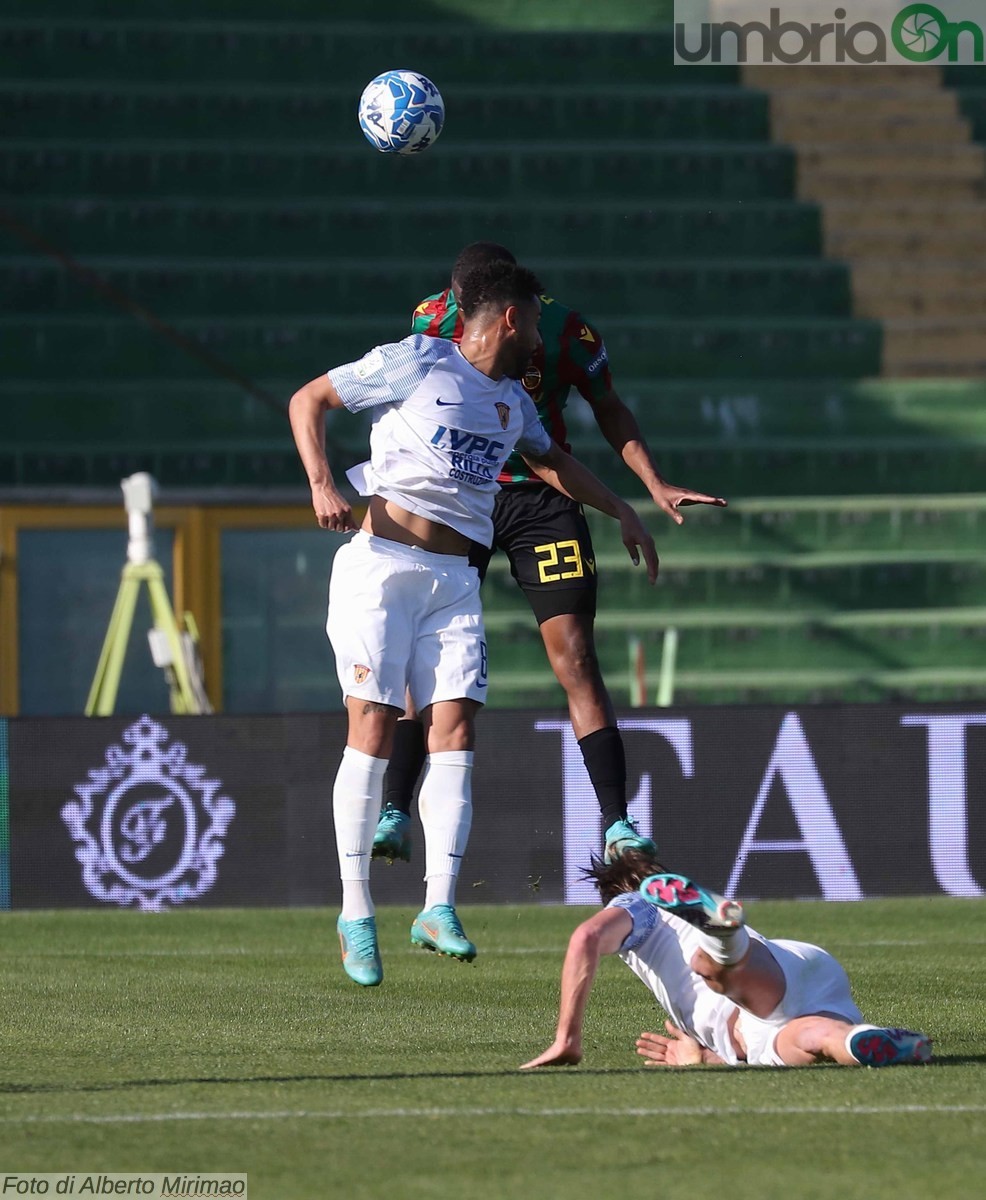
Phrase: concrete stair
(887, 155)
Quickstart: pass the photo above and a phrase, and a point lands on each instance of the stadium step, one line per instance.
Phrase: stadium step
(830, 581)
(736, 411)
(902, 217)
(823, 128)
(931, 186)
(783, 78)
(935, 346)
(695, 170)
(563, 111)
(949, 161)
(797, 524)
(61, 347)
(920, 249)
(890, 288)
(898, 640)
(195, 287)
(227, 49)
(92, 224)
(845, 105)
(527, 689)
(874, 141)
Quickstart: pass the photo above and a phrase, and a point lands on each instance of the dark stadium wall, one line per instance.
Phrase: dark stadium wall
(833, 802)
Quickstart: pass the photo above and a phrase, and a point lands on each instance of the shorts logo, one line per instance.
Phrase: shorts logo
(503, 412)
(360, 673)
(531, 380)
(148, 826)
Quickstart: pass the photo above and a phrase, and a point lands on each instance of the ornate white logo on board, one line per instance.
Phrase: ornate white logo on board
(148, 826)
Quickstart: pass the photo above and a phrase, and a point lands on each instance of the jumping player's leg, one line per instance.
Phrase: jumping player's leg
(355, 804)
(569, 641)
(445, 808)
(392, 839)
(448, 679)
(370, 639)
(356, 798)
(547, 541)
(393, 836)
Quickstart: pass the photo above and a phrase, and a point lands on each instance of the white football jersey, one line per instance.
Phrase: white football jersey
(659, 950)
(441, 432)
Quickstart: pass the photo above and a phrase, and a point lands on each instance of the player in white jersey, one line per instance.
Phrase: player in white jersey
(404, 608)
(732, 996)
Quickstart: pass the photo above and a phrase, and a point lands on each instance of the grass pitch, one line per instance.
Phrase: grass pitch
(231, 1041)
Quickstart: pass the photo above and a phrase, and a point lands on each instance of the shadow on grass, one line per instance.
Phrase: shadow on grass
(48, 1089)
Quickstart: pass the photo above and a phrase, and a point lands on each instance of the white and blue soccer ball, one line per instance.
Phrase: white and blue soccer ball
(401, 112)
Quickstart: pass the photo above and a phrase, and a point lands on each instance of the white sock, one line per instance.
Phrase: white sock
(445, 808)
(356, 800)
(728, 948)
(851, 1034)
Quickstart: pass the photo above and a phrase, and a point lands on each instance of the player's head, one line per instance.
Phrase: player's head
(624, 874)
(477, 254)
(503, 298)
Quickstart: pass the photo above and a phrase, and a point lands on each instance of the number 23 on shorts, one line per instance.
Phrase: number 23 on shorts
(559, 560)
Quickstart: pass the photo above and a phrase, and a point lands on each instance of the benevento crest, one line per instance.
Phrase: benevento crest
(360, 673)
(148, 826)
(503, 412)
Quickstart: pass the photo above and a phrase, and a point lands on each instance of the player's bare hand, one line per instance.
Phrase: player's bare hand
(638, 541)
(670, 498)
(558, 1054)
(331, 509)
(675, 1050)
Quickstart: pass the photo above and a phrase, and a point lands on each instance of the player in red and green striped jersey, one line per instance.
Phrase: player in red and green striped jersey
(546, 539)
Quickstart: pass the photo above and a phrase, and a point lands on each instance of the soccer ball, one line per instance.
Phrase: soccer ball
(401, 112)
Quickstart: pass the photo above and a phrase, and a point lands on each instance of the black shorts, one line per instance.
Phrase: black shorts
(545, 537)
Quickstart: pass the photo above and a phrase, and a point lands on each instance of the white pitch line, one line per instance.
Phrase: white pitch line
(495, 951)
(848, 1110)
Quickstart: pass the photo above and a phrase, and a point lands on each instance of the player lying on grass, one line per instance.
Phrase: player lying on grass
(732, 995)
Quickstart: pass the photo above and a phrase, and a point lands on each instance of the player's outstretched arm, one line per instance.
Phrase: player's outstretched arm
(306, 413)
(573, 479)
(620, 428)
(602, 934)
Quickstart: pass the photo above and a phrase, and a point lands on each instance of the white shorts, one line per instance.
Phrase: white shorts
(816, 983)
(403, 618)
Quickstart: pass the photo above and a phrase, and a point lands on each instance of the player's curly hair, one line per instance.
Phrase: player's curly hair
(624, 874)
(497, 285)
(478, 254)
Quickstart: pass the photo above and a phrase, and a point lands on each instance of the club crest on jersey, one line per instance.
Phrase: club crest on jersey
(531, 379)
(503, 412)
(360, 673)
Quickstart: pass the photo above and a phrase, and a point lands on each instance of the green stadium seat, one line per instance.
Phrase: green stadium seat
(138, 110)
(227, 286)
(550, 228)
(231, 48)
(271, 168)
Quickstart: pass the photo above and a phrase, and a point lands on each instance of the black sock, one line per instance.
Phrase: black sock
(405, 765)
(606, 762)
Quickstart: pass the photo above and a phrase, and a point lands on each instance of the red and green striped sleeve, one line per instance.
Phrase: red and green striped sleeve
(438, 316)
